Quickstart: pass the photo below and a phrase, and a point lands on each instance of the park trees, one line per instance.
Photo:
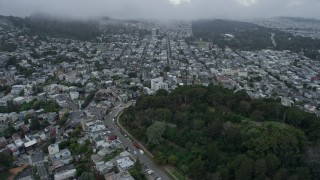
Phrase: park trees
(204, 133)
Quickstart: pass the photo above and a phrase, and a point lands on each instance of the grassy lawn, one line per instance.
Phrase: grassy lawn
(178, 175)
(201, 43)
(5, 175)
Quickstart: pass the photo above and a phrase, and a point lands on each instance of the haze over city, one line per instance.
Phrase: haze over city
(163, 9)
(159, 89)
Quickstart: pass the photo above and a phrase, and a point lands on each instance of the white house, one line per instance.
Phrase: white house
(243, 72)
(158, 83)
(61, 158)
(125, 163)
(74, 95)
(229, 72)
(17, 89)
(19, 100)
(53, 149)
(286, 101)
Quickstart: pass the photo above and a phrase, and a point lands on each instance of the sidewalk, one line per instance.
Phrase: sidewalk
(134, 139)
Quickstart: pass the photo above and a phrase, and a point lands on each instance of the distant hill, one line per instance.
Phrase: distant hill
(214, 133)
(46, 25)
(12, 21)
(299, 19)
(249, 36)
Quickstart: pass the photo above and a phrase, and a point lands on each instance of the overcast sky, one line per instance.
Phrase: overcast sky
(164, 9)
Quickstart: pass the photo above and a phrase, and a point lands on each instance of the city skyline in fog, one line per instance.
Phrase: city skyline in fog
(163, 9)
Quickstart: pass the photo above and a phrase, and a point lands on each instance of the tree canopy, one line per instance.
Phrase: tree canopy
(212, 132)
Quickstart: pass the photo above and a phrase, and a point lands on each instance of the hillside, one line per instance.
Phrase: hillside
(213, 133)
(249, 37)
(50, 26)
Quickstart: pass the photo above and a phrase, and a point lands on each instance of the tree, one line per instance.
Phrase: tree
(155, 131)
(35, 125)
(281, 174)
(162, 92)
(257, 115)
(21, 93)
(87, 176)
(213, 155)
(197, 169)
(172, 159)
(136, 171)
(26, 121)
(164, 114)
(76, 133)
(209, 130)
(284, 141)
(214, 127)
(160, 158)
(51, 107)
(132, 75)
(260, 169)
(88, 99)
(9, 131)
(166, 69)
(6, 161)
(245, 170)
(294, 116)
(273, 163)
(312, 159)
(244, 107)
(64, 144)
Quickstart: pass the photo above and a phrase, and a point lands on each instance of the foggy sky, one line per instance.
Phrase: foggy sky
(163, 9)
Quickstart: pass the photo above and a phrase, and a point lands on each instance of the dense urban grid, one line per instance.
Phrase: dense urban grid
(60, 97)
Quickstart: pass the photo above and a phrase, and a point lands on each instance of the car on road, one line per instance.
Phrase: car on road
(149, 171)
(141, 152)
(136, 145)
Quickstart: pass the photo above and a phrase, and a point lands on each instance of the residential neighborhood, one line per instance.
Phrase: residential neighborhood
(57, 93)
(296, 26)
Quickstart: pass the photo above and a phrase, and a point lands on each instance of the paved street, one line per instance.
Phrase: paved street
(71, 104)
(37, 158)
(42, 171)
(144, 159)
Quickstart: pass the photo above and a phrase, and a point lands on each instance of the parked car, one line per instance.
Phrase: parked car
(149, 171)
(135, 144)
(141, 152)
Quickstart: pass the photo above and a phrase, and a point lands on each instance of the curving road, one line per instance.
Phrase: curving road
(110, 121)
